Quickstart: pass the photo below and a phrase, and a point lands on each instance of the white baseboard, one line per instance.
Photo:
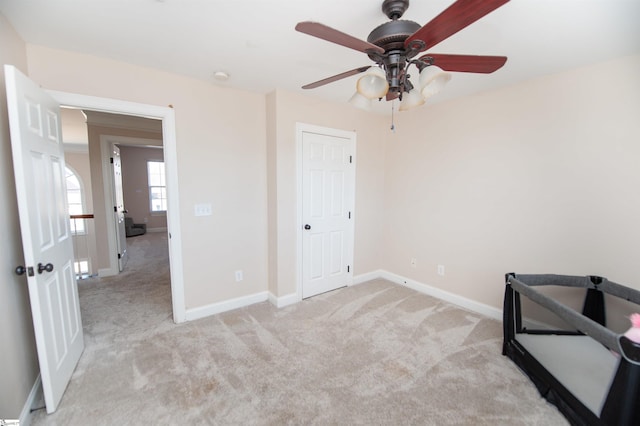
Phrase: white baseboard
(453, 298)
(281, 302)
(25, 415)
(227, 305)
(368, 276)
(107, 272)
(157, 229)
(290, 299)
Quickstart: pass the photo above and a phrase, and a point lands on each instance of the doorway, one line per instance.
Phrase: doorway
(103, 195)
(167, 117)
(114, 208)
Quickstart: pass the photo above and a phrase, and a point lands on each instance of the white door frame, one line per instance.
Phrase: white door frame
(167, 115)
(310, 128)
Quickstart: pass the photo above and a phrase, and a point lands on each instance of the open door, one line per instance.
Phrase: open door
(118, 207)
(39, 166)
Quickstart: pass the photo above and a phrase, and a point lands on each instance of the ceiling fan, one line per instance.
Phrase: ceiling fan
(394, 45)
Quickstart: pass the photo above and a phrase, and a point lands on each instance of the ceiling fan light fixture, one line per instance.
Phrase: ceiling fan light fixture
(432, 80)
(361, 102)
(411, 99)
(373, 84)
(393, 47)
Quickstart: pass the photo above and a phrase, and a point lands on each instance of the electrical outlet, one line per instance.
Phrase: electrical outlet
(239, 276)
(441, 270)
(413, 262)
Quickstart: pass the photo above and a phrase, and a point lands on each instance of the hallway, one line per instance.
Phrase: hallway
(138, 297)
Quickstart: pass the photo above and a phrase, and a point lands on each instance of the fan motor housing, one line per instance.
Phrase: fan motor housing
(391, 35)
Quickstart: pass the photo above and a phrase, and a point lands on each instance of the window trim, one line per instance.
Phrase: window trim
(149, 187)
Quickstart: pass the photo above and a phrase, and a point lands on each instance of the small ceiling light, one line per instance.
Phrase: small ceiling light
(432, 80)
(373, 84)
(359, 101)
(221, 76)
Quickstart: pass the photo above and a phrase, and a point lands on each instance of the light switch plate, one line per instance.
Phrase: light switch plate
(203, 209)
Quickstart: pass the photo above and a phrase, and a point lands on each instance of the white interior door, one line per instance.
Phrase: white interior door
(328, 186)
(38, 161)
(118, 209)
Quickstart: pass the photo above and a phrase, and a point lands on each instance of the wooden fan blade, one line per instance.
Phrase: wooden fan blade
(319, 30)
(465, 63)
(456, 17)
(335, 78)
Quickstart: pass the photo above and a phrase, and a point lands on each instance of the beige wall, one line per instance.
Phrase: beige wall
(540, 177)
(285, 109)
(221, 153)
(136, 185)
(272, 191)
(439, 187)
(18, 360)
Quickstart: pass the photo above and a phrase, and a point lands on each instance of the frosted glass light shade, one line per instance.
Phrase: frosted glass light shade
(373, 84)
(411, 100)
(432, 80)
(359, 101)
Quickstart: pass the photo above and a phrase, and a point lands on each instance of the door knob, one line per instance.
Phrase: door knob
(20, 270)
(48, 267)
(307, 226)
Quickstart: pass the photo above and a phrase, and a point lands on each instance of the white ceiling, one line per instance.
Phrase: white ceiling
(255, 41)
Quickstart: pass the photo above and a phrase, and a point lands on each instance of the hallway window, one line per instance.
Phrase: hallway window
(75, 201)
(157, 186)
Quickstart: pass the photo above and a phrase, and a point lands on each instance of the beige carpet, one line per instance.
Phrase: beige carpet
(371, 354)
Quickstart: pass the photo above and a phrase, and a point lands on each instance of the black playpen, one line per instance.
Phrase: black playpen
(588, 371)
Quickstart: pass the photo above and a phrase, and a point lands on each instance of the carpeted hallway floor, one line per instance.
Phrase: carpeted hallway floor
(372, 354)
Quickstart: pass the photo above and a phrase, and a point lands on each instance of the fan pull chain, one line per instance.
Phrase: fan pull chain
(393, 126)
